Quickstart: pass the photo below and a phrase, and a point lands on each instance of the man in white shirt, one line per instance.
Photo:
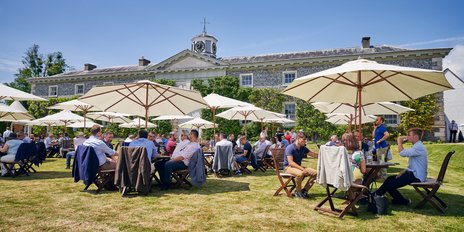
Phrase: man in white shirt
(7, 133)
(180, 160)
(223, 141)
(261, 146)
(184, 142)
(101, 149)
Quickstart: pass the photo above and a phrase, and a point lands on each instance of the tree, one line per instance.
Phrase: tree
(36, 66)
(165, 81)
(423, 115)
(226, 86)
(267, 98)
(312, 121)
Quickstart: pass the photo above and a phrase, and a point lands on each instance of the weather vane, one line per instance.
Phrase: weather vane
(204, 25)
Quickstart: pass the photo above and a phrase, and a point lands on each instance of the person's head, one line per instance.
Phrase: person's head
(151, 136)
(273, 140)
(300, 139)
(216, 137)
(333, 138)
(51, 135)
(278, 129)
(162, 136)
(96, 130)
(292, 130)
(20, 135)
(415, 135)
(183, 137)
(13, 135)
(143, 134)
(109, 136)
(65, 134)
(32, 136)
(131, 136)
(7, 128)
(452, 121)
(243, 140)
(222, 136)
(350, 142)
(379, 120)
(231, 137)
(80, 134)
(193, 135)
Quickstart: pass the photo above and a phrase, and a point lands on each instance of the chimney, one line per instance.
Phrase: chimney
(143, 61)
(366, 42)
(88, 67)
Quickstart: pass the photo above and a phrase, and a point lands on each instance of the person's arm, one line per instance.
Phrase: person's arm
(385, 137)
(4, 149)
(312, 154)
(373, 131)
(292, 163)
(362, 166)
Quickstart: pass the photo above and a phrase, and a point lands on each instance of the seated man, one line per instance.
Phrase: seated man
(79, 140)
(261, 147)
(180, 160)
(143, 141)
(416, 171)
(184, 142)
(292, 164)
(223, 141)
(333, 141)
(232, 140)
(247, 152)
(101, 149)
(108, 139)
(51, 144)
(9, 148)
(171, 145)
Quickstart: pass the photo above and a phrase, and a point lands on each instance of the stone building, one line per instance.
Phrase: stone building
(272, 70)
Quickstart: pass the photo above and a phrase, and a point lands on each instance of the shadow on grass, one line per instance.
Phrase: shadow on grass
(212, 186)
(455, 204)
(40, 175)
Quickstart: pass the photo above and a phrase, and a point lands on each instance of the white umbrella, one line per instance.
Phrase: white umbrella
(362, 81)
(18, 106)
(9, 93)
(145, 98)
(172, 117)
(10, 114)
(377, 108)
(137, 123)
(88, 124)
(252, 113)
(62, 118)
(111, 117)
(198, 123)
(76, 106)
(216, 101)
(348, 119)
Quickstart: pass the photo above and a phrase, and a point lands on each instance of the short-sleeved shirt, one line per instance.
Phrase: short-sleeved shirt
(247, 147)
(13, 146)
(379, 132)
(149, 145)
(297, 154)
(187, 152)
(100, 148)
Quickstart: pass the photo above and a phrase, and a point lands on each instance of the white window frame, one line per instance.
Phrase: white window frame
(390, 124)
(288, 72)
(241, 79)
(288, 103)
(76, 88)
(49, 90)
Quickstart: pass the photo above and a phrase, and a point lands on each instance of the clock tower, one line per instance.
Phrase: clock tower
(205, 44)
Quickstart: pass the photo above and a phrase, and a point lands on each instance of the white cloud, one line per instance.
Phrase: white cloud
(8, 65)
(435, 41)
(454, 105)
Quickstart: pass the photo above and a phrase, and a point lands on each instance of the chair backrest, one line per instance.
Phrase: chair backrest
(266, 150)
(278, 158)
(444, 166)
(66, 143)
(224, 158)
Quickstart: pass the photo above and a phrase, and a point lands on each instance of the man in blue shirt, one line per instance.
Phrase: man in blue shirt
(294, 154)
(416, 171)
(247, 152)
(380, 133)
(143, 141)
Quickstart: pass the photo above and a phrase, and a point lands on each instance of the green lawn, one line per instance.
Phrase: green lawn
(50, 200)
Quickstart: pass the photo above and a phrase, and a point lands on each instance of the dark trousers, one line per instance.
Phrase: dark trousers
(167, 170)
(453, 136)
(392, 184)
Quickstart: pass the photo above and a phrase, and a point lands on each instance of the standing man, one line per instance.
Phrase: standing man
(416, 171)
(453, 128)
(7, 133)
(292, 164)
(380, 135)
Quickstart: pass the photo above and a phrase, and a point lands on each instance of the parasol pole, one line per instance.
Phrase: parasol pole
(359, 103)
(214, 108)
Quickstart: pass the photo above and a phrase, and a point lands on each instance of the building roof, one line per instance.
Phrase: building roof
(114, 69)
(312, 54)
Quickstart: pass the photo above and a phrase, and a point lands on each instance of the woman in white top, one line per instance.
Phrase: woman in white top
(10, 148)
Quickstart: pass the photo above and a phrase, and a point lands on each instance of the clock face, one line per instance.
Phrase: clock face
(214, 48)
(199, 46)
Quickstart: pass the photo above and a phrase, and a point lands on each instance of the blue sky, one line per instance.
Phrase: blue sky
(112, 33)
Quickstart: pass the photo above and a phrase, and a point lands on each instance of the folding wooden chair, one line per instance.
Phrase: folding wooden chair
(286, 180)
(263, 163)
(102, 178)
(66, 145)
(243, 166)
(24, 153)
(357, 190)
(180, 177)
(431, 187)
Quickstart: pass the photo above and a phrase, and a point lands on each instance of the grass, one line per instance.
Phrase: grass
(50, 200)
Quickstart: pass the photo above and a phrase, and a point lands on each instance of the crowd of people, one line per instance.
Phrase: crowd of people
(181, 149)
